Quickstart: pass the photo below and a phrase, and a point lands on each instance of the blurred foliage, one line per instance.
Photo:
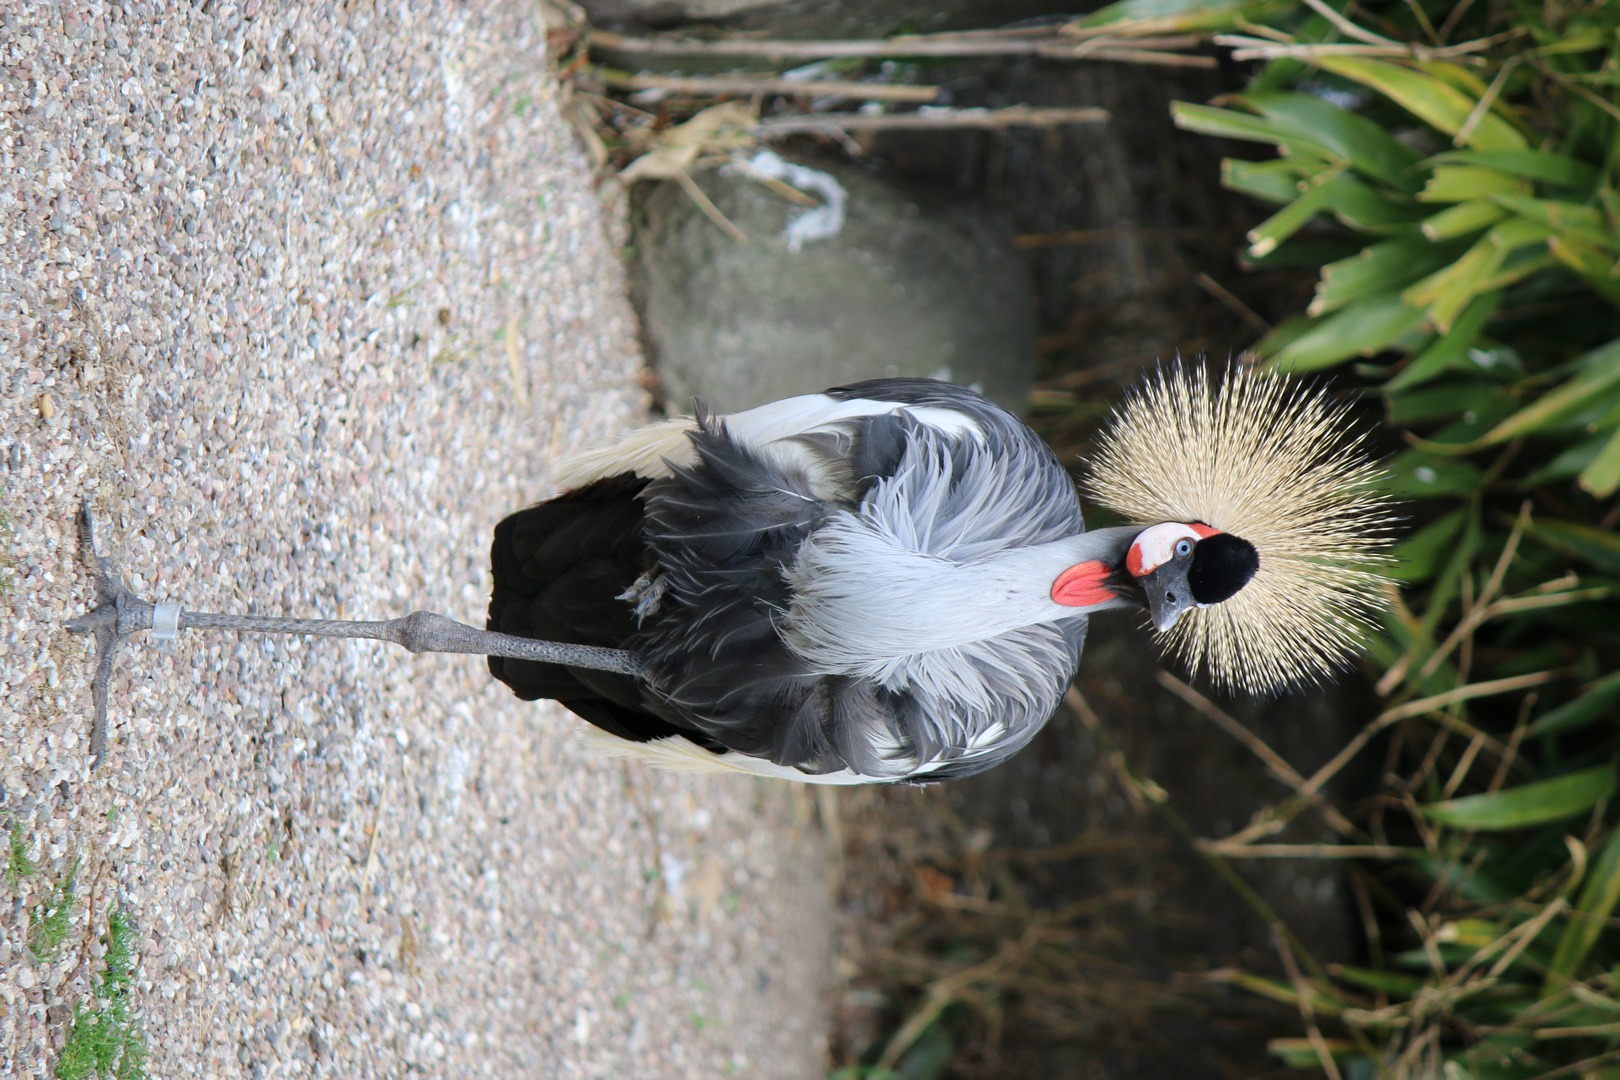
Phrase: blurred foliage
(1454, 170)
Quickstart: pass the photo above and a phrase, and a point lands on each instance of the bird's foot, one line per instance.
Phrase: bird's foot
(645, 595)
(118, 614)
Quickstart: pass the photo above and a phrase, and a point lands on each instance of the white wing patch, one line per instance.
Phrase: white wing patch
(677, 754)
(647, 452)
(769, 429)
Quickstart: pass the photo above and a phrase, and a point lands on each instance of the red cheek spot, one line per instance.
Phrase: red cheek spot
(1081, 585)
(1203, 530)
(1133, 560)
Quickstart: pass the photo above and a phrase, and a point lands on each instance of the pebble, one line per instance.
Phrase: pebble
(260, 262)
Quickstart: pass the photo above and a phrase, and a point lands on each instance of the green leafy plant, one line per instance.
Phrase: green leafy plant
(105, 1039)
(52, 920)
(18, 864)
(1461, 162)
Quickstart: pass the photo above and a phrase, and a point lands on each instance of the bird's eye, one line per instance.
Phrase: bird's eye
(1184, 548)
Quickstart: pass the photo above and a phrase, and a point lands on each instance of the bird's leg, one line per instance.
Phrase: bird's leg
(119, 613)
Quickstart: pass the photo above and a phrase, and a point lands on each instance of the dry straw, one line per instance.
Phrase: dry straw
(1279, 464)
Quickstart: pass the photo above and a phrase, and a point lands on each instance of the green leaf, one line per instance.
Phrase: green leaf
(1598, 895)
(1467, 428)
(1463, 219)
(1360, 205)
(1428, 98)
(1441, 402)
(1418, 557)
(1592, 37)
(1592, 705)
(1380, 268)
(1528, 804)
(1418, 474)
(1450, 347)
(1459, 183)
(1272, 181)
(1227, 124)
(1600, 547)
(1312, 253)
(1445, 293)
(1390, 982)
(1588, 261)
(1568, 218)
(1602, 476)
(1364, 144)
(1569, 463)
(1559, 169)
(1600, 370)
(1362, 329)
(1265, 237)
(1187, 16)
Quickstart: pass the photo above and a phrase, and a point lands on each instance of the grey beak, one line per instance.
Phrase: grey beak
(1168, 593)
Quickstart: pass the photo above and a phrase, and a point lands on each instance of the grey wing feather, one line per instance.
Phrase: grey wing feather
(727, 529)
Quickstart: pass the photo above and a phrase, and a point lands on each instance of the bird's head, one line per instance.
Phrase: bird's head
(1281, 465)
(1186, 565)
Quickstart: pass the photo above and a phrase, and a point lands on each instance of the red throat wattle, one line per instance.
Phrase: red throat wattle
(1081, 585)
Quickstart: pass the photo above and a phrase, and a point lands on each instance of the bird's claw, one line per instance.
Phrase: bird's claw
(117, 614)
(645, 595)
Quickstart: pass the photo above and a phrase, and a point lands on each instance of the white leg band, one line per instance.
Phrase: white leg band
(165, 622)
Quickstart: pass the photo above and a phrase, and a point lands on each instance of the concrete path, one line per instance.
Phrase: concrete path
(305, 297)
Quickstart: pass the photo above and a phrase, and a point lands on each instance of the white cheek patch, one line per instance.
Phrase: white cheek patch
(1154, 547)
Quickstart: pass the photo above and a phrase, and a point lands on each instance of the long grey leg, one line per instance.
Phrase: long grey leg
(119, 613)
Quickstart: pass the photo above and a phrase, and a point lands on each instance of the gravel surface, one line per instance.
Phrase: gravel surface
(305, 299)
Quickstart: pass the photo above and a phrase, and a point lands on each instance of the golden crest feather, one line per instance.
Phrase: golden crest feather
(1280, 465)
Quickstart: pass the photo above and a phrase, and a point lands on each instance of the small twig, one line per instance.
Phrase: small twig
(1576, 88)
(1221, 293)
(711, 211)
(1484, 106)
(1251, 48)
(1454, 18)
(371, 848)
(927, 118)
(1346, 26)
(1511, 752)
(1476, 613)
(1116, 759)
(1131, 56)
(1306, 851)
(1049, 46)
(1302, 995)
(1369, 923)
(744, 85)
(1467, 693)
(781, 187)
(1578, 1068)
(1073, 237)
(1464, 763)
(943, 991)
(514, 366)
(1527, 932)
(1274, 761)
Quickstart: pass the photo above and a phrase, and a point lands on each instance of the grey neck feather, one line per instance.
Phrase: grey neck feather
(863, 603)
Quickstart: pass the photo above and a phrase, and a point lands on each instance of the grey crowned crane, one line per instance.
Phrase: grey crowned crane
(891, 581)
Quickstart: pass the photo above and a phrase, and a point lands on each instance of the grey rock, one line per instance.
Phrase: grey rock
(909, 287)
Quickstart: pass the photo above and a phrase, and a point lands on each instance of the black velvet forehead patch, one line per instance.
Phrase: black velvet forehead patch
(1221, 565)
